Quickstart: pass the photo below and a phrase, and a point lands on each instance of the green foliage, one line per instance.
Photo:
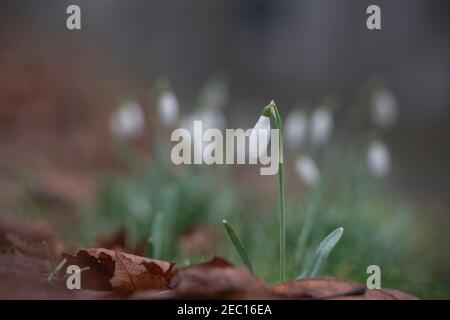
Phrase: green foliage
(238, 245)
(322, 253)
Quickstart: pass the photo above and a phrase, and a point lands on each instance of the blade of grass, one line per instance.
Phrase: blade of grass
(304, 235)
(238, 245)
(149, 247)
(157, 236)
(321, 254)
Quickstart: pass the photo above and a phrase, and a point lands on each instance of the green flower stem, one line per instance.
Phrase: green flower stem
(272, 110)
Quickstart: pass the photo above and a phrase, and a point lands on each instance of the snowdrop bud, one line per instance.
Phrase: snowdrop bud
(378, 159)
(168, 108)
(321, 125)
(306, 169)
(384, 109)
(295, 129)
(127, 121)
(259, 138)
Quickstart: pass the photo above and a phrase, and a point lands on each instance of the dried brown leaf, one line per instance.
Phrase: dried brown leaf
(123, 272)
(217, 279)
(328, 288)
(130, 276)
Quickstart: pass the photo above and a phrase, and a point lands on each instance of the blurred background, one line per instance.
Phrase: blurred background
(86, 116)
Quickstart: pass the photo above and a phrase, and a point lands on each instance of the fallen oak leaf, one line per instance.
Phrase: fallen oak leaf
(95, 252)
(130, 276)
(101, 269)
(217, 279)
(329, 288)
(110, 270)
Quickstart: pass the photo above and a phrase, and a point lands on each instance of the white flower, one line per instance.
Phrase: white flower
(295, 129)
(168, 108)
(307, 170)
(127, 121)
(321, 125)
(378, 159)
(259, 137)
(384, 109)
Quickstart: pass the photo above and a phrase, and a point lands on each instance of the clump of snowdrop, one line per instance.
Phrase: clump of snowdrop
(378, 159)
(295, 129)
(384, 109)
(127, 121)
(307, 170)
(168, 108)
(321, 125)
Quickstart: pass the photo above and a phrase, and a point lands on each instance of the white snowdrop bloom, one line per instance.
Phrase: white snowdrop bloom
(321, 125)
(168, 108)
(307, 170)
(384, 109)
(295, 129)
(259, 137)
(378, 159)
(127, 121)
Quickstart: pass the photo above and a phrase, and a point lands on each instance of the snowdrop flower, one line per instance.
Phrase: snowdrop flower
(127, 121)
(384, 109)
(295, 129)
(378, 159)
(306, 169)
(168, 108)
(321, 125)
(259, 137)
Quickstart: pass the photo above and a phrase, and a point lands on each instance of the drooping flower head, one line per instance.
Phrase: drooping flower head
(307, 170)
(259, 137)
(378, 159)
(127, 121)
(295, 129)
(321, 125)
(168, 108)
(384, 109)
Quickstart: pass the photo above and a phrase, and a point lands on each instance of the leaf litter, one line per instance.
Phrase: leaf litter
(115, 274)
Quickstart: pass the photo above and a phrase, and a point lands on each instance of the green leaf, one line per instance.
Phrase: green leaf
(320, 256)
(238, 245)
(156, 238)
(149, 247)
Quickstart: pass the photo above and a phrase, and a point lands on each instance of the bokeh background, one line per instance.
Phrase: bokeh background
(59, 89)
